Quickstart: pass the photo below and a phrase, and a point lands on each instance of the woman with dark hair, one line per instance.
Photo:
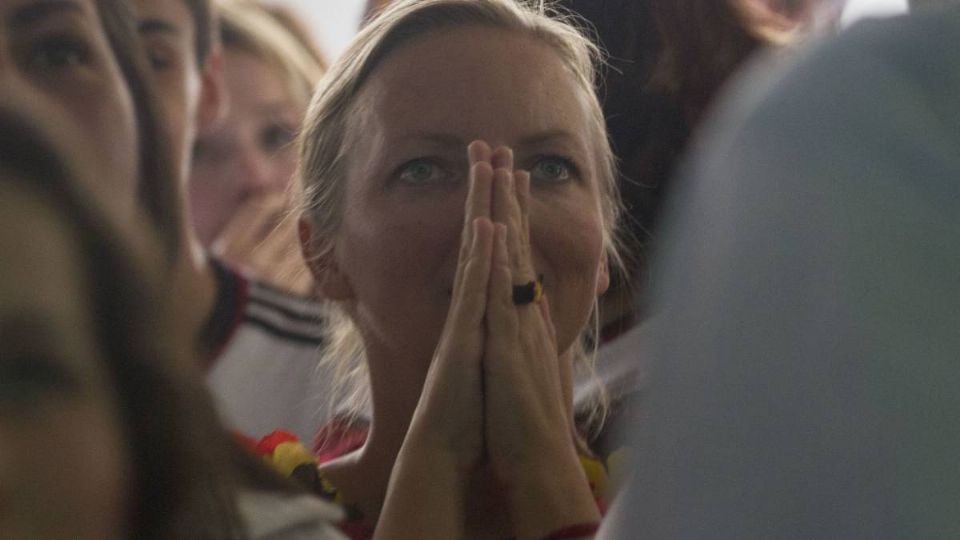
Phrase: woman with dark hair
(156, 191)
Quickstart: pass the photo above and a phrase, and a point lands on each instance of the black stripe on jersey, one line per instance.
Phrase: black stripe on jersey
(284, 333)
(286, 311)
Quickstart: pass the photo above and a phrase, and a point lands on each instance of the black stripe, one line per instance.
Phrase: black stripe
(286, 311)
(283, 333)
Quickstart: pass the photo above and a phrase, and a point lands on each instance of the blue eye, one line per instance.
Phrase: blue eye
(552, 169)
(420, 171)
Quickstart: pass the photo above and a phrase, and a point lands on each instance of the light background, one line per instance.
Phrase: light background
(335, 21)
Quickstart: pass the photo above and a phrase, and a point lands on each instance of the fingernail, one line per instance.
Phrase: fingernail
(475, 151)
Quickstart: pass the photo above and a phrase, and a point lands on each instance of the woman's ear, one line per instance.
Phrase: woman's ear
(332, 283)
(603, 275)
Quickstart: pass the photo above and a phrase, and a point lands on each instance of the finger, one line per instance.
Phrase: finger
(501, 314)
(248, 227)
(547, 319)
(506, 210)
(502, 158)
(477, 152)
(477, 206)
(522, 187)
(469, 302)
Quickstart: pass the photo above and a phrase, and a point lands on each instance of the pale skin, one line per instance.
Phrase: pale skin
(493, 402)
(467, 176)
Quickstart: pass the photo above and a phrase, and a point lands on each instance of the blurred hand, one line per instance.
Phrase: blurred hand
(262, 238)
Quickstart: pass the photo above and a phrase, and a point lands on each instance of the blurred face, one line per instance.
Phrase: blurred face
(169, 37)
(251, 153)
(55, 62)
(62, 461)
(407, 180)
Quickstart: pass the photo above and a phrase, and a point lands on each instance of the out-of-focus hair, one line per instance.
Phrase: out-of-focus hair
(181, 457)
(158, 191)
(205, 27)
(295, 25)
(249, 27)
(325, 141)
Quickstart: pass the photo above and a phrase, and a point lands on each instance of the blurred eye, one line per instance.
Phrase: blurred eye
(422, 171)
(160, 58)
(26, 382)
(60, 52)
(552, 169)
(275, 137)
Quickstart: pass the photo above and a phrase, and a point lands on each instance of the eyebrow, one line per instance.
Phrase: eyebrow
(547, 137)
(439, 139)
(537, 139)
(37, 12)
(158, 26)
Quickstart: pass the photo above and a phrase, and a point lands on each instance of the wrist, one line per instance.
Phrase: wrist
(550, 496)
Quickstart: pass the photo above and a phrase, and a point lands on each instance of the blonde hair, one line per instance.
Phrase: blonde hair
(250, 27)
(324, 141)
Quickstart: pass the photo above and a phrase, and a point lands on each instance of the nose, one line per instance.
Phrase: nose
(256, 173)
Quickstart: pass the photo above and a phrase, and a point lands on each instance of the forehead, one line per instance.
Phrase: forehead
(476, 83)
(25, 14)
(172, 17)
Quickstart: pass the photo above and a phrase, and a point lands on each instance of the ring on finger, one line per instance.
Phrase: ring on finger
(528, 293)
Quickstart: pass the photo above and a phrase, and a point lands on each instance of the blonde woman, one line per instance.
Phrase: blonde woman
(243, 165)
(459, 214)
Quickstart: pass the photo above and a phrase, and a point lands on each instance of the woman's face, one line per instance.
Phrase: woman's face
(398, 242)
(63, 465)
(251, 153)
(57, 64)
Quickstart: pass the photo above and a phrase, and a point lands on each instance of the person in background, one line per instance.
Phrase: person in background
(804, 378)
(459, 215)
(243, 165)
(258, 344)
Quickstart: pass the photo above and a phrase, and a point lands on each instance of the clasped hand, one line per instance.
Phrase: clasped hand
(494, 392)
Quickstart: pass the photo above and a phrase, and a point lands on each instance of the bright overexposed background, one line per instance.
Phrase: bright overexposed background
(335, 21)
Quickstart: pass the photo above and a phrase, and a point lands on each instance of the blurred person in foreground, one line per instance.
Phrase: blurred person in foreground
(805, 376)
(92, 368)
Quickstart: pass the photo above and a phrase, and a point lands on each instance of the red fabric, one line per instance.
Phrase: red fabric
(340, 437)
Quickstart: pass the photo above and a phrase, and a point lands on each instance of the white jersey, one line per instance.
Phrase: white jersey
(264, 373)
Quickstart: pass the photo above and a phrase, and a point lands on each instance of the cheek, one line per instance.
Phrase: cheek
(284, 167)
(400, 261)
(64, 475)
(570, 249)
(215, 193)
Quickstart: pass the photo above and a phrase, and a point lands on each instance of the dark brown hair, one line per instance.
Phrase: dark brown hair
(158, 191)
(205, 25)
(182, 482)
